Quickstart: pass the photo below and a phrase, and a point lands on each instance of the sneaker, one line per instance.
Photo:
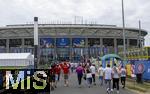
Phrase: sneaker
(117, 92)
(123, 87)
(79, 86)
(107, 89)
(52, 88)
(112, 90)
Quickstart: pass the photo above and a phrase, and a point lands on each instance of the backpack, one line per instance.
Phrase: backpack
(123, 73)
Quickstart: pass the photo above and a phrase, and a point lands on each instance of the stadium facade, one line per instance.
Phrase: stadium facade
(69, 41)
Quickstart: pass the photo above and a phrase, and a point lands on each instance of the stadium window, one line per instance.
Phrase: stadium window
(2, 42)
(120, 41)
(108, 41)
(133, 42)
(29, 42)
(15, 42)
(94, 42)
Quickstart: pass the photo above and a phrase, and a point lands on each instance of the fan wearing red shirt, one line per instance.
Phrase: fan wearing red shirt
(66, 73)
(57, 72)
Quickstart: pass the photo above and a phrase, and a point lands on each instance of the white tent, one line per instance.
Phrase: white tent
(16, 59)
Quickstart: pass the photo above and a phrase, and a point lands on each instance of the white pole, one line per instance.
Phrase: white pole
(35, 42)
(123, 23)
(140, 34)
(35, 30)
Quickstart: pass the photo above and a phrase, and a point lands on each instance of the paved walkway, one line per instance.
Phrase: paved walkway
(74, 88)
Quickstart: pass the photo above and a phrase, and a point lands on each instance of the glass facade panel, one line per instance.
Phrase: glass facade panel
(2, 45)
(133, 42)
(93, 42)
(29, 42)
(15, 43)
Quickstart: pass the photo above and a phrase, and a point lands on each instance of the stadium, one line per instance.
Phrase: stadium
(69, 41)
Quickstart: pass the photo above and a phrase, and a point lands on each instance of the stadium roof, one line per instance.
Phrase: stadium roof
(26, 30)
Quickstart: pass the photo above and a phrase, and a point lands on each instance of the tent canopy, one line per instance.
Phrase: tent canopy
(15, 56)
(108, 56)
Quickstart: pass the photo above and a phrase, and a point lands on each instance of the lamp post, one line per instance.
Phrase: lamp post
(140, 44)
(123, 30)
(35, 42)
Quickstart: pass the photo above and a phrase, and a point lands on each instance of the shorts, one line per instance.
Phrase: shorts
(52, 78)
(100, 77)
(56, 77)
(66, 76)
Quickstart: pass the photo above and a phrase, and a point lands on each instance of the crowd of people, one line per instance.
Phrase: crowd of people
(87, 72)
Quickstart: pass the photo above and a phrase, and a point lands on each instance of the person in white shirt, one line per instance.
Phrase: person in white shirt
(116, 77)
(123, 76)
(101, 73)
(108, 77)
(93, 71)
(88, 77)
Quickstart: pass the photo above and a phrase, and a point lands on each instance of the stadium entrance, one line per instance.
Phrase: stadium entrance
(63, 54)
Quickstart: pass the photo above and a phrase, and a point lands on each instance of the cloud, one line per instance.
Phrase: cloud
(101, 11)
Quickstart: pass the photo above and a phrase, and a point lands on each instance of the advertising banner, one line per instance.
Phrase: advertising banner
(146, 74)
(62, 42)
(78, 42)
(143, 66)
(128, 68)
(47, 42)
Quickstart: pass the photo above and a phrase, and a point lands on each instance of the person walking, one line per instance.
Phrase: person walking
(65, 68)
(57, 74)
(88, 77)
(123, 76)
(52, 77)
(93, 71)
(116, 77)
(72, 67)
(101, 73)
(79, 71)
(108, 78)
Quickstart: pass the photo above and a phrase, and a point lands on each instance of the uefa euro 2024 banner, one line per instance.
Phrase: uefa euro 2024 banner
(78, 42)
(47, 42)
(62, 42)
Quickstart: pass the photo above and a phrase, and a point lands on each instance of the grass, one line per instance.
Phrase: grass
(138, 88)
(11, 67)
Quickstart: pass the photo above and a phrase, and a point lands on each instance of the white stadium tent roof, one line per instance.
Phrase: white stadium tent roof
(16, 59)
(15, 55)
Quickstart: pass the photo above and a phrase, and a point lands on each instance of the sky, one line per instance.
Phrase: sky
(85, 11)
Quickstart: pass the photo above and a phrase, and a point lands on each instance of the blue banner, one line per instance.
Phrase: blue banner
(62, 42)
(143, 66)
(78, 42)
(47, 42)
(146, 74)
